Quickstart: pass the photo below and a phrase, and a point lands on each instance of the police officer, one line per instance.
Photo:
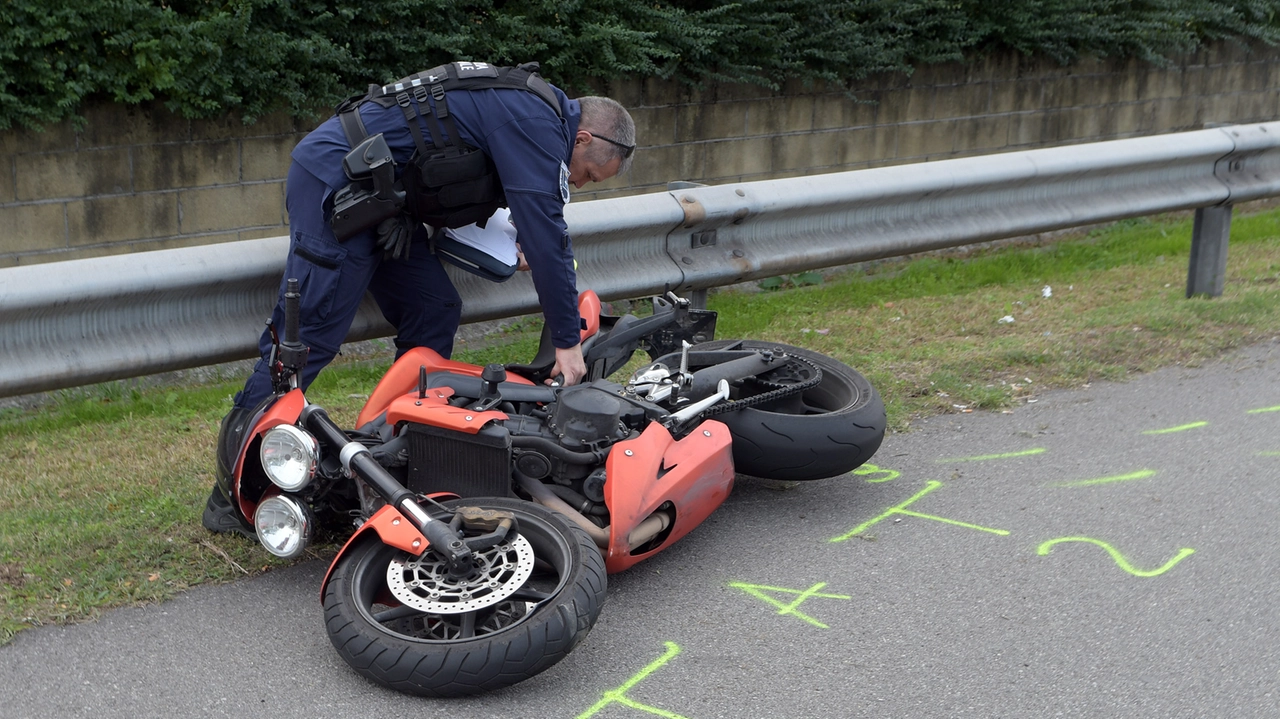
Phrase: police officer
(537, 150)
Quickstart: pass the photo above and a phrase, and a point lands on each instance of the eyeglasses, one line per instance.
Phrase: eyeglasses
(626, 149)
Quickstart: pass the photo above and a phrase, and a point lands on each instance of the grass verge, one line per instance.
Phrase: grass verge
(101, 490)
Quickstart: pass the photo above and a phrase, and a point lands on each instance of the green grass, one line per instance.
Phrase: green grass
(101, 489)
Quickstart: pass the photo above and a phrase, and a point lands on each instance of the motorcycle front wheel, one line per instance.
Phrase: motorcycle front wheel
(828, 429)
(403, 623)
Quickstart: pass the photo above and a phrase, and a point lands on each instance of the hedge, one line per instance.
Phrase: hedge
(204, 58)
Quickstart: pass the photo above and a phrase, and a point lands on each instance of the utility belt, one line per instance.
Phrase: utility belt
(446, 184)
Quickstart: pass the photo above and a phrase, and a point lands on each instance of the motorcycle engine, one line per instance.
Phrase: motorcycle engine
(563, 446)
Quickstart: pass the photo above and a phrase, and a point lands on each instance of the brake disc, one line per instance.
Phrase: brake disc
(424, 582)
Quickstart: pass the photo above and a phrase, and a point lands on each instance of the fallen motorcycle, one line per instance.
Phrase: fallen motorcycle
(488, 506)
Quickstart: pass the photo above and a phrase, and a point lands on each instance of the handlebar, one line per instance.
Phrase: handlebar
(292, 309)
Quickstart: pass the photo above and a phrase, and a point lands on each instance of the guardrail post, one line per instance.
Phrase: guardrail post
(1208, 271)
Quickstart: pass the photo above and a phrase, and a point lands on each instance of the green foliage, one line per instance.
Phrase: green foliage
(202, 58)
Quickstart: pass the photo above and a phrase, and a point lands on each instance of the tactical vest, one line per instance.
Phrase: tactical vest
(447, 184)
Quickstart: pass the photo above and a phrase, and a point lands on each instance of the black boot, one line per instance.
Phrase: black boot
(219, 515)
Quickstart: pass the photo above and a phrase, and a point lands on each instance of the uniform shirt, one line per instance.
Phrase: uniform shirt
(531, 148)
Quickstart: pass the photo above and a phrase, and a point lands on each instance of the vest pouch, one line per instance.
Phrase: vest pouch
(439, 170)
(482, 190)
(469, 215)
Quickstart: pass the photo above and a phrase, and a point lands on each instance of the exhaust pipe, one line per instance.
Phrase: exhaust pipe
(544, 496)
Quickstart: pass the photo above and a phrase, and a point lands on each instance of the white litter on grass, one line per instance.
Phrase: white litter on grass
(1006, 320)
(1047, 291)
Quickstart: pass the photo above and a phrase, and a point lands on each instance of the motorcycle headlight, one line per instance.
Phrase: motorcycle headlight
(284, 526)
(289, 457)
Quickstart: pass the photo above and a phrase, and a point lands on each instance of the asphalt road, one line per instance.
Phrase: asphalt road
(1101, 552)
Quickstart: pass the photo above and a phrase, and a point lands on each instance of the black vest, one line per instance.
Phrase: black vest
(447, 184)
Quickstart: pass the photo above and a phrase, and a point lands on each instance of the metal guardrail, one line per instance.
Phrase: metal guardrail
(84, 321)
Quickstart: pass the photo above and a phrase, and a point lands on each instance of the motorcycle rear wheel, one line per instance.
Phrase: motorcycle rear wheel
(455, 654)
(829, 429)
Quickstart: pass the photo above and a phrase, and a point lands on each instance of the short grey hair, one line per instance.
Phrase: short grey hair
(612, 121)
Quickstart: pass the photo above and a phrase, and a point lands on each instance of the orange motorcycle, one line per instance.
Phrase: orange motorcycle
(488, 507)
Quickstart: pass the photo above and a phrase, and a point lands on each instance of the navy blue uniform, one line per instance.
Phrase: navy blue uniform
(530, 146)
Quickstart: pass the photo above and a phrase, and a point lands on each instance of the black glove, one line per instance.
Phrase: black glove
(394, 235)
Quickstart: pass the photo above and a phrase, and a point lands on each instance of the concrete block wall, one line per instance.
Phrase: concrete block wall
(136, 179)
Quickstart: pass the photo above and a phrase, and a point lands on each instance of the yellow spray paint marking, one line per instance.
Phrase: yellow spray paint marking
(1269, 454)
(870, 469)
(1006, 455)
(1140, 474)
(758, 591)
(1179, 428)
(619, 695)
(902, 509)
(1119, 558)
(1264, 409)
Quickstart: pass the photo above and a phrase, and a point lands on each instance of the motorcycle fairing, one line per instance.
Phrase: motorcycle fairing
(434, 409)
(694, 474)
(392, 529)
(402, 379)
(285, 410)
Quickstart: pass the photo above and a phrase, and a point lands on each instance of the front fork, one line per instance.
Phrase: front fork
(444, 538)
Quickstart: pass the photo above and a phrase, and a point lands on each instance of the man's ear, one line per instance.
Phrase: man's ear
(583, 138)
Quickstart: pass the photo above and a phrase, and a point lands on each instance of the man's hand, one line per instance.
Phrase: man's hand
(570, 364)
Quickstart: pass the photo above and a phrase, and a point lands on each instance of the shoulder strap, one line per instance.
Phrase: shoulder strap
(472, 76)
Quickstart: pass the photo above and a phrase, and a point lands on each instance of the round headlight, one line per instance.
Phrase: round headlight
(284, 526)
(289, 457)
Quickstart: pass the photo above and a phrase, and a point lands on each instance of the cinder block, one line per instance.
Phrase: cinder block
(1162, 82)
(1084, 123)
(941, 74)
(1057, 91)
(72, 174)
(1183, 113)
(711, 121)
(231, 126)
(659, 165)
(654, 125)
(266, 158)
(1132, 118)
(197, 164)
(8, 193)
(122, 218)
(57, 137)
(780, 114)
(1005, 95)
(659, 93)
(922, 139)
(736, 158)
(1198, 80)
(1252, 77)
(263, 232)
(961, 100)
(1034, 128)
(33, 227)
(1028, 94)
(231, 208)
(111, 124)
(840, 110)
(982, 133)
(868, 144)
(918, 104)
(809, 150)
(629, 92)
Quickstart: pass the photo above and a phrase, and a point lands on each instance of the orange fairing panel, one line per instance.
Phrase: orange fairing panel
(285, 411)
(589, 310)
(694, 474)
(434, 409)
(392, 528)
(402, 379)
